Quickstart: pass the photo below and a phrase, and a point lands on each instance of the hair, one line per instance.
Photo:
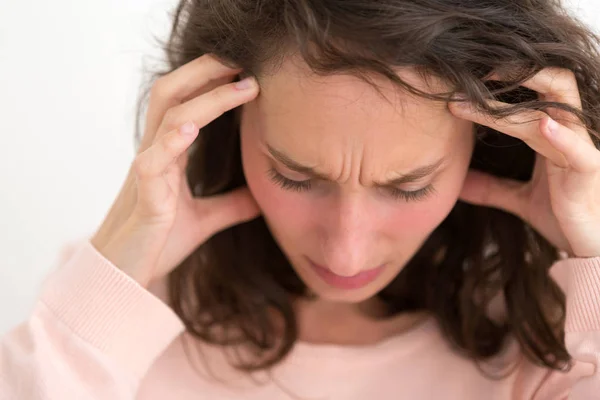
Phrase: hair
(236, 289)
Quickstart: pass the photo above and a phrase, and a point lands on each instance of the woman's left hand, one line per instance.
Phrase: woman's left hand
(562, 200)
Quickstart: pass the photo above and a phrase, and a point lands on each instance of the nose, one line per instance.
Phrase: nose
(349, 228)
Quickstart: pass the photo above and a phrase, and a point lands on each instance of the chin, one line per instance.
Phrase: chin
(351, 297)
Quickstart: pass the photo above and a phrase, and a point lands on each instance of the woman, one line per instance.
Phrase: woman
(356, 229)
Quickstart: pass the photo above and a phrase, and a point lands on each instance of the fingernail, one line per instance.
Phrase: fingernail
(245, 83)
(188, 129)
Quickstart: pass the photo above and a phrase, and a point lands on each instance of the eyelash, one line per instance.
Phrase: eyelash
(301, 186)
(288, 184)
(414, 195)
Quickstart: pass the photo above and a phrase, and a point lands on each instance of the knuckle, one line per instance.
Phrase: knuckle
(160, 88)
(223, 97)
(561, 79)
(568, 76)
(171, 118)
(171, 144)
(143, 165)
(218, 94)
(208, 58)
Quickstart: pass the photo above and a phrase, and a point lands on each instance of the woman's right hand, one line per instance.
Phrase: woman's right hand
(155, 222)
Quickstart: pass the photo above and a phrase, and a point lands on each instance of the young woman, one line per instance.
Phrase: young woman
(314, 213)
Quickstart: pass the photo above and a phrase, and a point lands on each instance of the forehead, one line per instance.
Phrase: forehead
(312, 114)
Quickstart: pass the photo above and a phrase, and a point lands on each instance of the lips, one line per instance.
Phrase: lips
(346, 282)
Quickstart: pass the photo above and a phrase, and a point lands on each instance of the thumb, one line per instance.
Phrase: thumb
(222, 211)
(484, 189)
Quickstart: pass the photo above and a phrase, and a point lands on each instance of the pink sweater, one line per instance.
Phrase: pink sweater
(96, 334)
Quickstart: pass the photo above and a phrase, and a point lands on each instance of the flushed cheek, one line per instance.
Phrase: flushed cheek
(409, 223)
(410, 227)
(287, 212)
(415, 222)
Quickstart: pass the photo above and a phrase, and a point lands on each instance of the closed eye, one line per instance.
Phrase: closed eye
(289, 184)
(412, 195)
(305, 185)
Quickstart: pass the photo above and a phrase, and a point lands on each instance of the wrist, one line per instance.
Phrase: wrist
(131, 250)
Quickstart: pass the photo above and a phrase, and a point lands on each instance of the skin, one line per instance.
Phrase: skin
(344, 129)
(157, 217)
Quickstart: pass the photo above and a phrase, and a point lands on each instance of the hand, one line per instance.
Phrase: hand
(155, 222)
(562, 200)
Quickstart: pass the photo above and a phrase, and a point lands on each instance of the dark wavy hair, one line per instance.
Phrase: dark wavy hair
(231, 290)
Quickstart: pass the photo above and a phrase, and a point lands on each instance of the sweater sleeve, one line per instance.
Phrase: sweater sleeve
(582, 334)
(92, 334)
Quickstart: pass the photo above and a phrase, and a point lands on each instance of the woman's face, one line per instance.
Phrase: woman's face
(351, 185)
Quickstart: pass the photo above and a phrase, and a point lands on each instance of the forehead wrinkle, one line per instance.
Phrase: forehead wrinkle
(315, 172)
(352, 160)
(356, 155)
(309, 107)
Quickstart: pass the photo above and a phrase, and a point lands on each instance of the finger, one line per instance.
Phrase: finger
(223, 211)
(558, 85)
(483, 189)
(523, 125)
(553, 84)
(163, 153)
(581, 155)
(178, 85)
(151, 165)
(213, 84)
(208, 106)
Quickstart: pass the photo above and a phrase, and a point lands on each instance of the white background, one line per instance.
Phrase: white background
(69, 78)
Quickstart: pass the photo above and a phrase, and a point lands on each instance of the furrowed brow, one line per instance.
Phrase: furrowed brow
(414, 175)
(294, 165)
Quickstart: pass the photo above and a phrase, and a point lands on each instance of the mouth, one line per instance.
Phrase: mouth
(357, 281)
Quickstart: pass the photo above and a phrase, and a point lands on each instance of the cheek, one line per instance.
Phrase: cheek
(275, 203)
(411, 224)
(284, 210)
(287, 213)
(422, 218)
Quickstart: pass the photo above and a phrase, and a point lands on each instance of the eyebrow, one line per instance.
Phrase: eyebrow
(414, 175)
